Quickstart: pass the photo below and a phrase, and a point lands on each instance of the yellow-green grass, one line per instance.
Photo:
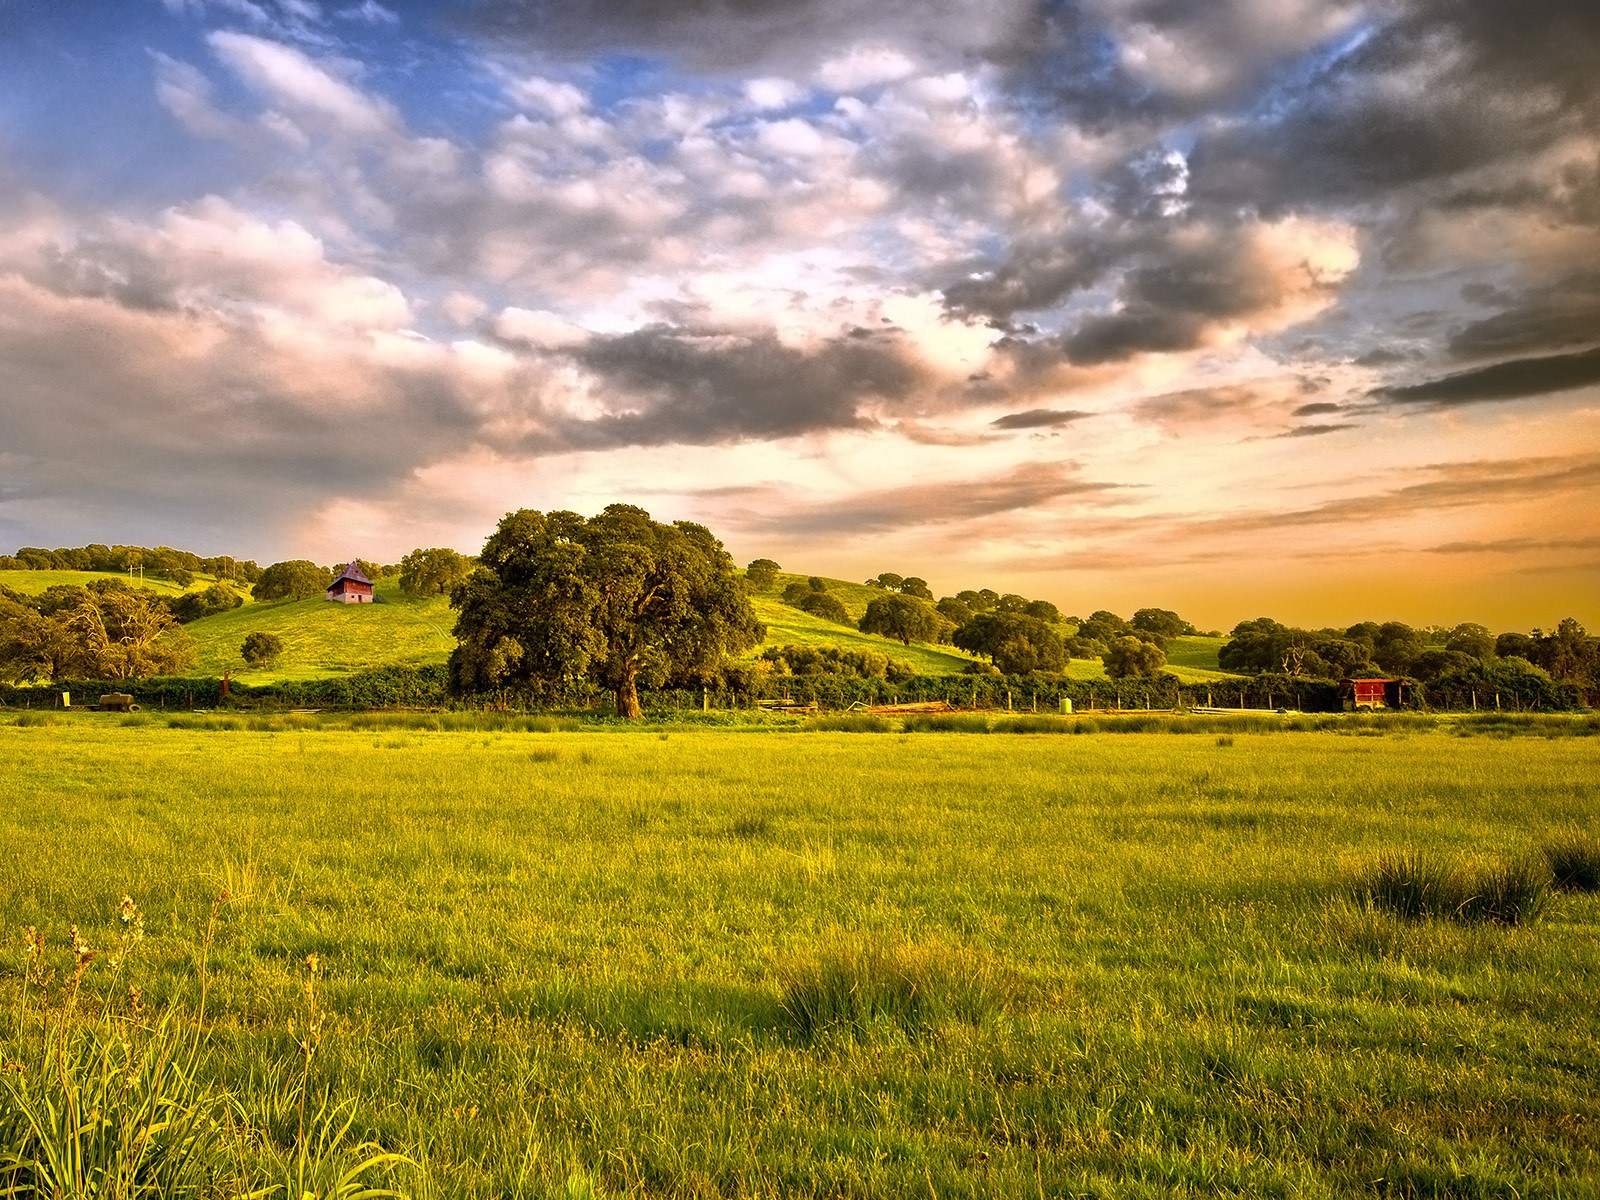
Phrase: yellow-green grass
(719, 963)
(32, 583)
(1194, 659)
(321, 638)
(789, 626)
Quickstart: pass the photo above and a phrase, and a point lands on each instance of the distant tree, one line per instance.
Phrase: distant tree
(888, 581)
(436, 571)
(825, 605)
(903, 617)
(1017, 644)
(296, 579)
(1568, 653)
(1162, 622)
(1436, 661)
(762, 574)
(912, 586)
(1397, 646)
(1103, 625)
(1514, 645)
(1128, 657)
(1471, 639)
(218, 598)
(615, 600)
(181, 576)
(1012, 603)
(954, 611)
(32, 645)
(261, 649)
(1043, 610)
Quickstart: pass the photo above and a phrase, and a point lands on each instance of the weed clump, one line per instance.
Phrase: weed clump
(849, 723)
(857, 986)
(1574, 861)
(1417, 886)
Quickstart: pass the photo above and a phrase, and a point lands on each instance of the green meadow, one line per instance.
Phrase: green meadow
(769, 961)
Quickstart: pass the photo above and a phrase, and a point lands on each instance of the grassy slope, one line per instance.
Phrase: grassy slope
(1118, 966)
(323, 639)
(31, 583)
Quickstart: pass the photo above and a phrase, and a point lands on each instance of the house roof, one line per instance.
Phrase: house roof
(353, 574)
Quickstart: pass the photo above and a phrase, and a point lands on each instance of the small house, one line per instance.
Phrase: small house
(352, 587)
(1370, 693)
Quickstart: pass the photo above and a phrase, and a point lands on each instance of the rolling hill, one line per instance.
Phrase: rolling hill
(322, 639)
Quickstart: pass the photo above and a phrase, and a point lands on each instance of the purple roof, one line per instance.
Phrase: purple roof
(353, 574)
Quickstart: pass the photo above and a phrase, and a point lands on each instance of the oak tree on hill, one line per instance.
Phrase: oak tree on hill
(614, 600)
(762, 573)
(296, 579)
(1128, 657)
(903, 617)
(432, 572)
(1016, 643)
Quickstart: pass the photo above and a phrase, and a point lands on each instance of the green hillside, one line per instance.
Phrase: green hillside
(321, 639)
(32, 583)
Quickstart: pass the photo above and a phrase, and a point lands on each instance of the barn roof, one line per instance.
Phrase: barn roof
(353, 574)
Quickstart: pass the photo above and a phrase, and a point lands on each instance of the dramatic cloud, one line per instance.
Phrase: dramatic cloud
(384, 268)
(1511, 380)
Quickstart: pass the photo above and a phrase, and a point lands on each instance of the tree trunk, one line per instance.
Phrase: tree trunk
(628, 696)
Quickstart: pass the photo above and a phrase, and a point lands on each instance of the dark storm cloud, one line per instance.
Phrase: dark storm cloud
(1552, 317)
(1434, 89)
(1319, 409)
(1028, 486)
(708, 387)
(1040, 418)
(1514, 379)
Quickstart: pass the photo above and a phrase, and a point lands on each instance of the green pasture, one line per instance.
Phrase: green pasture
(1194, 659)
(32, 583)
(769, 962)
(321, 638)
(788, 626)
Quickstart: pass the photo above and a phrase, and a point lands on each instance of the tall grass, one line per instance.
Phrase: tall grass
(1415, 885)
(1574, 860)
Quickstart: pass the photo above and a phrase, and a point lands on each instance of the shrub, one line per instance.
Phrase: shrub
(850, 723)
(1574, 860)
(857, 986)
(261, 649)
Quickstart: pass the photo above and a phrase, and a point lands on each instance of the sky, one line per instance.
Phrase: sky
(1235, 307)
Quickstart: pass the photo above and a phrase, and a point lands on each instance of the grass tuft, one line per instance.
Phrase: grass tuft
(860, 986)
(1574, 860)
(1417, 886)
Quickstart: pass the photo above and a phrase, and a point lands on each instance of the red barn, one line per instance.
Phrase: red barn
(352, 587)
(1370, 693)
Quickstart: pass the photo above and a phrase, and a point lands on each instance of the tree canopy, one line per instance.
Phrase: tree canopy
(1015, 642)
(903, 617)
(432, 572)
(296, 579)
(762, 573)
(1128, 657)
(614, 600)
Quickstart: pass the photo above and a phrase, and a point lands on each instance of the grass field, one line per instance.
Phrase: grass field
(322, 639)
(755, 963)
(31, 583)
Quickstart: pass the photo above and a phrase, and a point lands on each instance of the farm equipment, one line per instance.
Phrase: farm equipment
(116, 702)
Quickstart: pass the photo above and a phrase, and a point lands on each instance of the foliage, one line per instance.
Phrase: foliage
(903, 617)
(296, 579)
(762, 573)
(821, 604)
(434, 572)
(831, 660)
(1129, 657)
(1016, 643)
(954, 611)
(105, 631)
(195, 606)
(261, 649)
(1162, 622)
(160, 560)
(614, 600)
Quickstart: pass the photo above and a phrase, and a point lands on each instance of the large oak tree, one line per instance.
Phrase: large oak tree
(616, 600)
